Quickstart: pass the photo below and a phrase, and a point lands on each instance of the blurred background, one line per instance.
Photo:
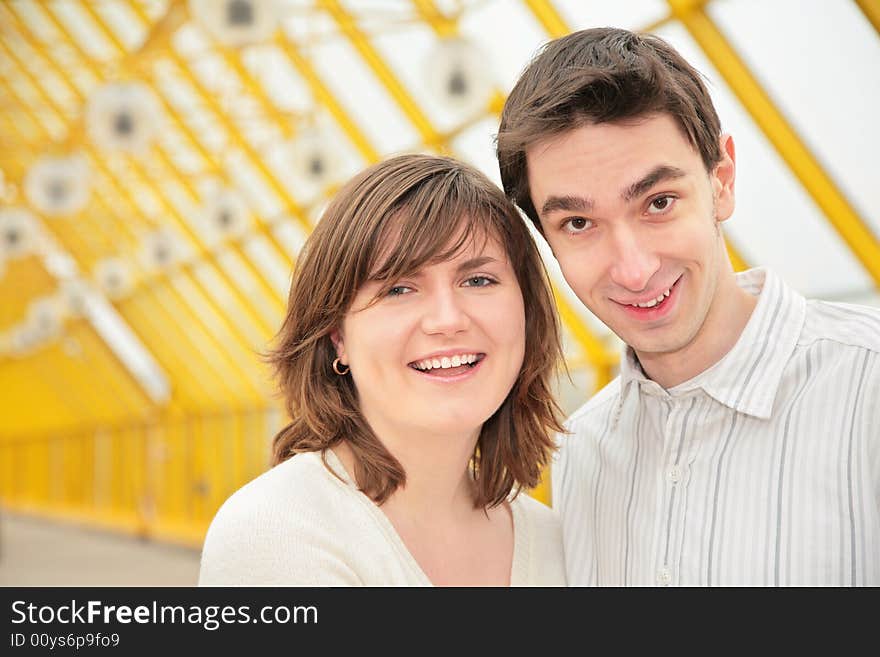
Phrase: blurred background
(162, 162)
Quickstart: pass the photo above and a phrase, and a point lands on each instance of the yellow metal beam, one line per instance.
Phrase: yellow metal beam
(157, 42)
(195, 378)
(550, 19)
(805, 166)
(254, 157)
(270, 294)
(125, 194)
(244, 307)
(555, 26)
(871, 10)
(325, 97)
(98, 357)
(199, 321)
(602, 361)
(657, 24)
(64, 32)
(383, 72)
(241, 361)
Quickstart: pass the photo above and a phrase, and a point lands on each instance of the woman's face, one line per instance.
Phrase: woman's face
(440, 351)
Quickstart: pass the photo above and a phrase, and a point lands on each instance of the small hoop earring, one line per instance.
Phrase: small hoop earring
(337, 370)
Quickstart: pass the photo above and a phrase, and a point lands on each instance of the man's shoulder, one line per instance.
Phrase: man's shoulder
(595, 408)
(843, 323)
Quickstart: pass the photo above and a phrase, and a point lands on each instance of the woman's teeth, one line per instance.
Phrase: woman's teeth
(445, 362)
(652, 302)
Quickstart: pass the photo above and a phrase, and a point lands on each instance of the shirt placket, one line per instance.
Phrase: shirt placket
(672, 483)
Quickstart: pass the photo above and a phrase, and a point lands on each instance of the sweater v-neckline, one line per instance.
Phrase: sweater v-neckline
(518, 518)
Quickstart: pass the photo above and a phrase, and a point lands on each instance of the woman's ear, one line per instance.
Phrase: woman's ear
(339, 344)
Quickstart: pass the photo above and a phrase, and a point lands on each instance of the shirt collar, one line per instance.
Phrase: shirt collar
(747, 378)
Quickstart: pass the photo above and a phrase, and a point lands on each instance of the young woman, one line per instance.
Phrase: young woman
(415, 361)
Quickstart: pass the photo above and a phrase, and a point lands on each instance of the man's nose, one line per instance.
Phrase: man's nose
(634, 261)
(445, 313)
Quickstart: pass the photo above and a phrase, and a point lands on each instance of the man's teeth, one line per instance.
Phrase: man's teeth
(652, 302)
(446, 362)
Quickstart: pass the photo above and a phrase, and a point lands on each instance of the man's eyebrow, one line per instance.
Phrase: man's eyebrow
(566, 203)
(657, 174)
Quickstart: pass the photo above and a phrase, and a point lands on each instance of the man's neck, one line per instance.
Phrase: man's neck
(722, 329)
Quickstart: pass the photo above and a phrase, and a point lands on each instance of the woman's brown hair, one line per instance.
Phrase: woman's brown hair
(390, 221)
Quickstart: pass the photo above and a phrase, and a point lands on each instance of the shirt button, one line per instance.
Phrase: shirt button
(664, 577)
(675, 473)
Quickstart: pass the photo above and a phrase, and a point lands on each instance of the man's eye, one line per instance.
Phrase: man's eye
(660, 204)
(479, 281)
(577, 224)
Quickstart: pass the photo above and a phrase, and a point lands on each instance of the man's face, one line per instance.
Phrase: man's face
(632, 217)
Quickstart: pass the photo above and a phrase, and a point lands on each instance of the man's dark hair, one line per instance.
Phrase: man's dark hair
(601, 75)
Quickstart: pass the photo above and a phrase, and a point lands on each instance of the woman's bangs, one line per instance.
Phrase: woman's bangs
(419, 239)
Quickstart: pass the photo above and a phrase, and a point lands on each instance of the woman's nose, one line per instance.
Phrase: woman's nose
(444, 312)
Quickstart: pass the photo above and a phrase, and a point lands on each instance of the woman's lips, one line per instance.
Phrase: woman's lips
(451, 374)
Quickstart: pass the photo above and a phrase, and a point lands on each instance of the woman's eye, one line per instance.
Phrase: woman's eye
(398, 290)
(577, 224)
(479, 281)
(660, 204)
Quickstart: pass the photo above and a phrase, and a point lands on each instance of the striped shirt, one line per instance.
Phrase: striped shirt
(763, 470)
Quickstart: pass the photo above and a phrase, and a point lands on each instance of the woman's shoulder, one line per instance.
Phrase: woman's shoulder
(292, 514)
(298, 481)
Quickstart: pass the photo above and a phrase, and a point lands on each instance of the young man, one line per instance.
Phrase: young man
(740, 444)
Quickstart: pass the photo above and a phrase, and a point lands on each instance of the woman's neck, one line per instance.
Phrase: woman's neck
(438, 485)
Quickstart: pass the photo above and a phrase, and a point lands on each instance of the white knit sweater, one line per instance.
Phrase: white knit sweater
(298, 524)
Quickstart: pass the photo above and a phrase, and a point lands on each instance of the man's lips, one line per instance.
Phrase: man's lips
(647, 298)
(657, 311)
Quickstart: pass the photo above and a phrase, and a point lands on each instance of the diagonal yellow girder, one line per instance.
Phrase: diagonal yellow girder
(237, 364)
(197, 350)
(170, 211)
(223, 346)
(325, 97)
(383, 72)
(160, 41)
(550, 19)
(555, 26)
(856, 234)
(254, 157)
(183, 179)
(871, 10)
(131, 203)
(31, 281)
(274, 296)
(602, 361)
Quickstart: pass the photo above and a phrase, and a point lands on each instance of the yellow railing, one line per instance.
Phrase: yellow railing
(162, 479)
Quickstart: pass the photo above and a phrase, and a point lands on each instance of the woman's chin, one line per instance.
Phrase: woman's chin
(450, 421)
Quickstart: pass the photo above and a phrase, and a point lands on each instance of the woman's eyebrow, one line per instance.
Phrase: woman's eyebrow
(474, 263)
(470, 263)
